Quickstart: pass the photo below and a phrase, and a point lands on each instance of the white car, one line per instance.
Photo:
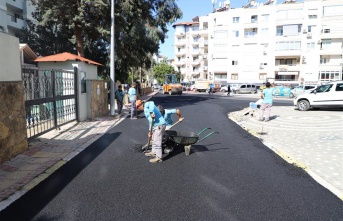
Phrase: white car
(329, 95)
(301, 90)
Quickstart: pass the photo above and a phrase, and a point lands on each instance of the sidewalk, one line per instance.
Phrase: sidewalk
(49, 152)
(312, 140)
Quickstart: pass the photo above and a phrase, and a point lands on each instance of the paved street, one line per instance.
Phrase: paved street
(229, 176)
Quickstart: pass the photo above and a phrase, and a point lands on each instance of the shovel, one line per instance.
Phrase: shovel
(146, 146)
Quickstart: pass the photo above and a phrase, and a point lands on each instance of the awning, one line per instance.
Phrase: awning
(288, 73)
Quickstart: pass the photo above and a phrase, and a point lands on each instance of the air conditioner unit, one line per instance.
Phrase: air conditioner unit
(264, 52)
(319, 41)
(261, 67)
(309, 35)
(304, 31)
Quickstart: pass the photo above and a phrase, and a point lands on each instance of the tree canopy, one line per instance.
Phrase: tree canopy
(161, 70)
(83, 27)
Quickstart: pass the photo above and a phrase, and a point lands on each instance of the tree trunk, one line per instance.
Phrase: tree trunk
(79, 41)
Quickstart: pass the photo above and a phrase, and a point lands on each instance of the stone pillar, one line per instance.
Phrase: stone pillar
(97, 99)
(13, 136)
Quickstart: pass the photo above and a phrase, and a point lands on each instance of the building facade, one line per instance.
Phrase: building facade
(13, 15)
(287, 43)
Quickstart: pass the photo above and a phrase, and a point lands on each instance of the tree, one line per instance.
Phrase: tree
(161, 70)
(83, 26)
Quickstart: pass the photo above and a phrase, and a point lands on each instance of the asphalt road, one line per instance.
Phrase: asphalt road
(229, 176)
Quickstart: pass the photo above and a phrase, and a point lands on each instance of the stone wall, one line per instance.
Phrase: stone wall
(97, 95)
(13, 137)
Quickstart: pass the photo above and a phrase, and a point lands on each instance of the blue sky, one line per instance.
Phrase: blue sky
(191, 9)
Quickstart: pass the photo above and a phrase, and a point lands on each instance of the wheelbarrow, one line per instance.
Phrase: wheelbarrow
(174, 139)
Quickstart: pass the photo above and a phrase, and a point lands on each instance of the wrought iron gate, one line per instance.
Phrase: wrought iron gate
(50, 99)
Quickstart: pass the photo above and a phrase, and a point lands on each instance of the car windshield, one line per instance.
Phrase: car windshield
(324, 88)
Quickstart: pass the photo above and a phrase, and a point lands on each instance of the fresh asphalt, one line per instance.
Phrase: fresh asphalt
(228, 176)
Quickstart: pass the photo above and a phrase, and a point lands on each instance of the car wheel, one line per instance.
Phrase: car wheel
(291, 95)
(303, 105)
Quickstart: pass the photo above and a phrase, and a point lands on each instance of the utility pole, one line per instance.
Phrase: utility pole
(112, 63)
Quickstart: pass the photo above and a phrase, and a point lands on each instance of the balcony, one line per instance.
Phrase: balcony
(14, 22)
(180, 34)
(288, 53)
(195, 63)
(203, 32)
(287, 68)
(194, 53)
(204, 44)
(195, 33)
(180, 43)
(331, 51)
(195, 43)
(180, 53)
(337, 34)
(15, 4)
(180, 63)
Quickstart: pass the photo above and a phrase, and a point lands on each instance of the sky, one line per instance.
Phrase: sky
(191, 9)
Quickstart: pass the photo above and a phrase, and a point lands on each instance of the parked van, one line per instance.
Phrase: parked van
(325, 96)
(245, 88)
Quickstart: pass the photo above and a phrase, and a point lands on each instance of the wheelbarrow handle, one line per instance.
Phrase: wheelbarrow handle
(206, 128)
(214, 132)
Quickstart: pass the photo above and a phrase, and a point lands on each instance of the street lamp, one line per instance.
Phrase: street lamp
(112, 63)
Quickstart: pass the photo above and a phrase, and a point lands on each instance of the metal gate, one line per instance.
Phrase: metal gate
(50, 99)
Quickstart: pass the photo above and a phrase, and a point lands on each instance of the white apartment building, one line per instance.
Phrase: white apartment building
(286, 43)
(13, 15)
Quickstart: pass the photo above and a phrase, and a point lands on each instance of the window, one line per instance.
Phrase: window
(312, 16)
(235, 20)
(339, 87)
(325, 44)
(235, 34)
(326, 30)
(324, 88)
(83, 82)
(324, 59)
(253, 18)
(288, 45)
(234, 76)
(262, 76)
(311, 28)
(265, 17)
(311, 45)
(220, 34)
(264, 31)
(333, 10)
(234, 62)
(329, 75)
(279, 31)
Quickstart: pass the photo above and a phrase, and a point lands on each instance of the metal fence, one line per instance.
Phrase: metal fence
(50, 98)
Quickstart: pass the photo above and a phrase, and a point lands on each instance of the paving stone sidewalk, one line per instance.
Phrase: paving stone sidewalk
(312, 140)
(49, 152)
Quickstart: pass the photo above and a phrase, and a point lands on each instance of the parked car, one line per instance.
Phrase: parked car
(232, 87)
(245, 88)
(325, 96)
(301, 89)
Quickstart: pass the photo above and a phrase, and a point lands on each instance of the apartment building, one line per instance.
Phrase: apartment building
(286, 43)
(13, 15)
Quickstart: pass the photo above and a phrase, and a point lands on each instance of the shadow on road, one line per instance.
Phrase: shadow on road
(31, 203)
